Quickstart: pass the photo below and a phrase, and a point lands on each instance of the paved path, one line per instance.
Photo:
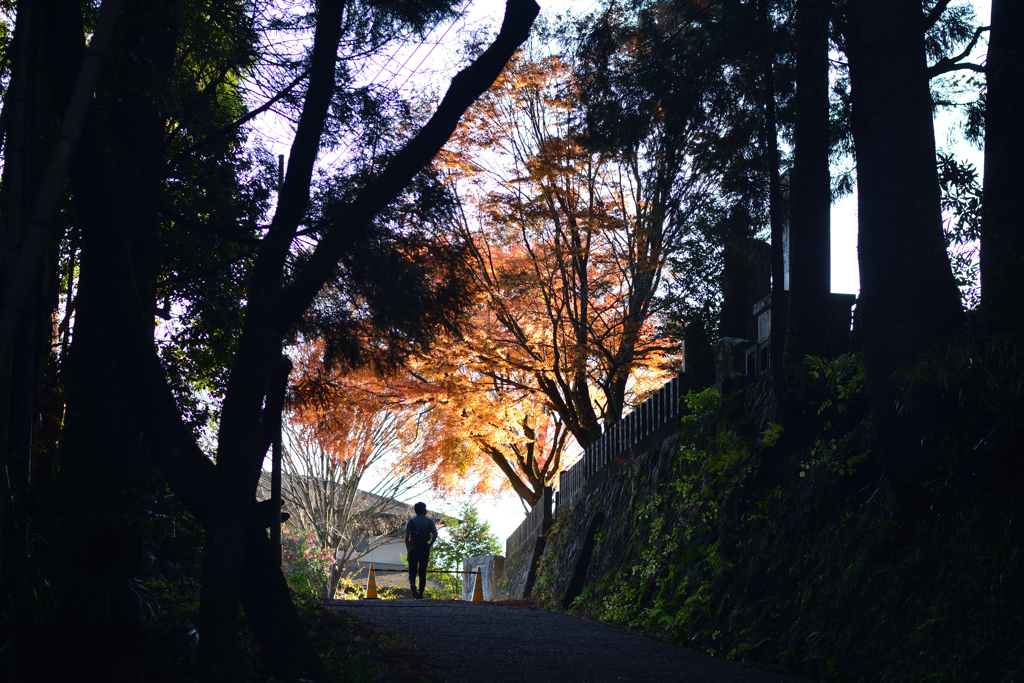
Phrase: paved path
(474, 643)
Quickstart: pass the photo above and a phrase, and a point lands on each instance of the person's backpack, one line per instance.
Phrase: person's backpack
(418, 534)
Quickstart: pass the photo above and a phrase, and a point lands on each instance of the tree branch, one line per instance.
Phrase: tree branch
(940, 69)
(351, 222)
(935, 13)
(235, 125)
(258, 344)
(947, 64)
(521, 489)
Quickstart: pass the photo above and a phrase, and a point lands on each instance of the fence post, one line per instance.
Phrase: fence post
(657, 408)
(548, 515)
(675, 396)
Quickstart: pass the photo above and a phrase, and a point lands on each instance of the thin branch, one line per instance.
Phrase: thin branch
(235, 125)
(939, 68)
(947, 64)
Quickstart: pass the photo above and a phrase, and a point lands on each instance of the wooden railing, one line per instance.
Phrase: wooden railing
(534, 526)
(658, 415)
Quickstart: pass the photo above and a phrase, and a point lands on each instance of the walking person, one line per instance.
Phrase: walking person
(420, 534)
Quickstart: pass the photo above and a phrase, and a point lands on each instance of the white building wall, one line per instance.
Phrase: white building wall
(387, 555)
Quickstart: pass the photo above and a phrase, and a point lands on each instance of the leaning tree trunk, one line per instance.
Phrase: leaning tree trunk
(909, 298)
(1002, 227)
(810, 187)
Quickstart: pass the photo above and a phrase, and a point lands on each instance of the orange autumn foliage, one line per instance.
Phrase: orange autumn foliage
(568, 248)
(332, 404)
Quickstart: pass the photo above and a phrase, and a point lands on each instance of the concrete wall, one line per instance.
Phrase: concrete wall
(492, 569)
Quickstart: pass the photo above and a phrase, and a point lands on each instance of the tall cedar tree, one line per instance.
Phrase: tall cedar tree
(909, 298)
(779, 313)
(810, 188)
(726, 67)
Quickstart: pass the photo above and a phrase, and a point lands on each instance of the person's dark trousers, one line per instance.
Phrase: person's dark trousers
(418, 565)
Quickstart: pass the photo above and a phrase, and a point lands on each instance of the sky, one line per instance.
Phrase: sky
(845, 275)
(434, 61)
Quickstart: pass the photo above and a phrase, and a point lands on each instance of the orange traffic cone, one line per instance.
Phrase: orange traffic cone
(478, 591)
(371, 586)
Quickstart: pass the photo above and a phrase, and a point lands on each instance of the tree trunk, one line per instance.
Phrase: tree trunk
(779, 312)
(1002, 227)
(101, 449)
(736, 311)
(909, 299)
(810, 187)
(15, 205)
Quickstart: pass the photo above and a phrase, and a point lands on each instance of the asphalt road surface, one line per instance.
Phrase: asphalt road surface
(485, 643)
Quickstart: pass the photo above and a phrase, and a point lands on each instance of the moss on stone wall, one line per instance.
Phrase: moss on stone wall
(517, 567)
(779, 549)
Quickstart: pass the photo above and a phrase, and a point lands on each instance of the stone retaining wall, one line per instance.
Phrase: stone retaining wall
(603, 520)
(517, 567)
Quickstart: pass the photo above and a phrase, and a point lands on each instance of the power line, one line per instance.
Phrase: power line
(347, 147)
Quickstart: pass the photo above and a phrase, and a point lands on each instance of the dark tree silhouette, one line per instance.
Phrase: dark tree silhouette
(810, 186)
(1002, 227)
(909, 298)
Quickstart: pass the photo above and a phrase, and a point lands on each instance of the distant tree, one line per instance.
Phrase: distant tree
(306, 563)
(706, 68)
(471, 537)
(495, 424)
(325, 464)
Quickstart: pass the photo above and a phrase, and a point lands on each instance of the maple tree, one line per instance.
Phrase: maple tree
(569, 245)
(489, 416)
(566, 258)
(446, 427)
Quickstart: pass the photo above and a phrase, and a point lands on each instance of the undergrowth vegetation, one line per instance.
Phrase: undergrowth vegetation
(779, 546)
(159, 593)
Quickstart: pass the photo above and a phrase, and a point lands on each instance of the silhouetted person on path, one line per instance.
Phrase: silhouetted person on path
(420, 534)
